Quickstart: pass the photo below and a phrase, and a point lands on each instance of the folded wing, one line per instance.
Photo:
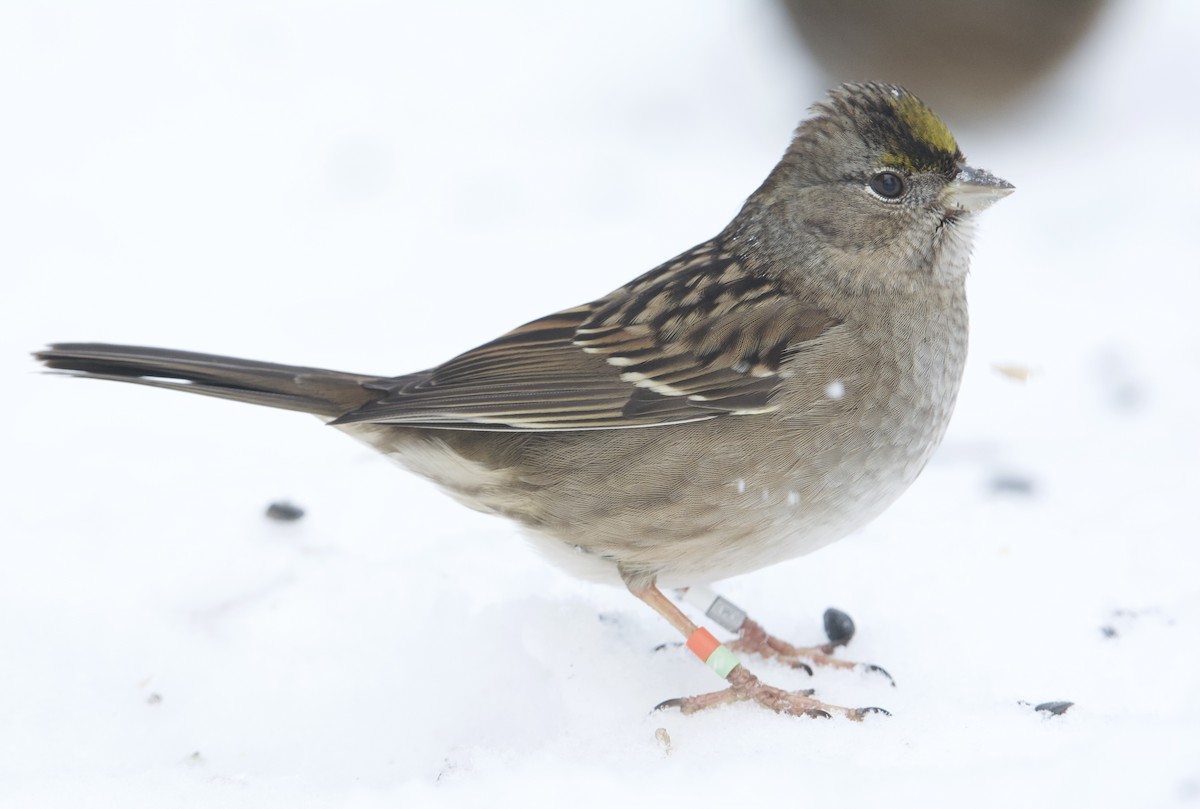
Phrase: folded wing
(695, 339)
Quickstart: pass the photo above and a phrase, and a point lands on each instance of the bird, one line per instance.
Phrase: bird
(755, 398)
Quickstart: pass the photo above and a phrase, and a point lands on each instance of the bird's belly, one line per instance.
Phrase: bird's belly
(700, 519)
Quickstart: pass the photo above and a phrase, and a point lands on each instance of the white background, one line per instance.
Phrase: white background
(374, 188)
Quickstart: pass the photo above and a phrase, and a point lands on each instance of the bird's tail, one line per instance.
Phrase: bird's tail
(309, 390)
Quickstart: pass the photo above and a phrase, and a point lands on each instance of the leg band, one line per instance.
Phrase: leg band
(724, 612)
(713, 652)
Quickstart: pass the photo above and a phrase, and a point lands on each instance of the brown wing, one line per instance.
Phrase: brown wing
(695, 339)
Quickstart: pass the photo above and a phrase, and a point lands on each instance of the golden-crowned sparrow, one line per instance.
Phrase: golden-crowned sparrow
(757, 397)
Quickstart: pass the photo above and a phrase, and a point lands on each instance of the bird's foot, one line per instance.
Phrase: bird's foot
(745, 687)
(753, 639)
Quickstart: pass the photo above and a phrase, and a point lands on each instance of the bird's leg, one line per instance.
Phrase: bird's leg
(743, 686)
(753, 639)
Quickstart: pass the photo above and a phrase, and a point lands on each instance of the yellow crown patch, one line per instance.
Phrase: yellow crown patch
(925, 126)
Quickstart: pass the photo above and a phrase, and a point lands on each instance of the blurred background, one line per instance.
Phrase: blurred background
(971, 59)
(377, 186)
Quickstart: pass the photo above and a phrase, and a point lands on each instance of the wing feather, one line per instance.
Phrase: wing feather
(697, 338)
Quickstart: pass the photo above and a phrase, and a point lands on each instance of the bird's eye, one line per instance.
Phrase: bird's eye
(887, 184)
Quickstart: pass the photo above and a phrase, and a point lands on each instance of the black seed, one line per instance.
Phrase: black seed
(839, 627)
(284, 511)
(1012, 484)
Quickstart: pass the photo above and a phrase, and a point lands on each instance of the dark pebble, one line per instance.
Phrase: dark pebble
(1011, 484)
(284, 512)
(1054, 708)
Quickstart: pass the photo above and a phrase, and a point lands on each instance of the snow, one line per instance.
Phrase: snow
(374, 188)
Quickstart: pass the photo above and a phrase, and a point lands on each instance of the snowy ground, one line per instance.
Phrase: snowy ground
(361, 187)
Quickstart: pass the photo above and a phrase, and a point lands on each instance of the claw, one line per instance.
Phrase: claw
(859, 713)
(801, 666)
(871, 667)
(676, 702)
(818, 713)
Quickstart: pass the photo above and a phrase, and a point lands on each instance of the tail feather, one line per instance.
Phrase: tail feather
(309, 390)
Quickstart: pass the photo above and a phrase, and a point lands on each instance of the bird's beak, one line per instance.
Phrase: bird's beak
(975, 189)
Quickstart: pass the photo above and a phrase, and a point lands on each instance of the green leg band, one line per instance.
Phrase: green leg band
(722, 661)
